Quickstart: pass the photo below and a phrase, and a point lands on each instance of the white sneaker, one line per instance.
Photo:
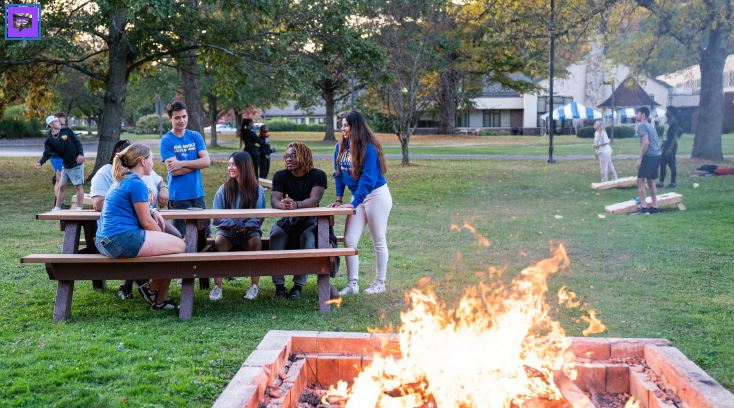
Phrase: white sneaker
(215, 294)
(252, 292)
(56, 209)
(352, 288)
(375, 288)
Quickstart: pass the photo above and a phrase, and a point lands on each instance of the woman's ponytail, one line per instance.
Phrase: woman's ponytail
(127, 159)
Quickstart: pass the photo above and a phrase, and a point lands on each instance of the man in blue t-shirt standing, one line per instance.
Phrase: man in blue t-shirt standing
(184, 153)
(649, 160)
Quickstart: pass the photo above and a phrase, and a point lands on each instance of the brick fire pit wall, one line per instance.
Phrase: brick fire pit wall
(651, 370)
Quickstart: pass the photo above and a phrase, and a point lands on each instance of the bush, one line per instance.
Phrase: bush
(620, 132)
(13, 112)
(18, 128)
(147, 124)
(285, 125)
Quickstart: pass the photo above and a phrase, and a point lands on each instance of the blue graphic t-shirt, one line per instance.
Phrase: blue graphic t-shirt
(187, 147)
(118, 214)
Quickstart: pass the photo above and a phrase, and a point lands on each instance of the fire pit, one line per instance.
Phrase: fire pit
(498, 347)
(651, 371)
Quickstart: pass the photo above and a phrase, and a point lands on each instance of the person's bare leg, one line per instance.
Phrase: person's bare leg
(653, 193)
(254, 244)
(160, 243)
(58, 183)
(160, 286)
(60, 196)
(221, 244)
(80, 196)
(641, 192)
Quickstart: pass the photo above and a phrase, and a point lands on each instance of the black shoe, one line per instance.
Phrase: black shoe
(167, 304)
(65, 206)
(280, 291)
(659, 185)
(147, 294)
(642, 210)
(125, 292)
(672, 185)
(653, 210)
(295, 292)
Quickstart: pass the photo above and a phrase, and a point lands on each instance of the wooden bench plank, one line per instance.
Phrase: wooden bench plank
(630, 206)
(89, 215)
(189, 256)
(618, 183)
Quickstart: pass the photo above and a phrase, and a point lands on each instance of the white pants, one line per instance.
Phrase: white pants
(605, 166)
(374, 211)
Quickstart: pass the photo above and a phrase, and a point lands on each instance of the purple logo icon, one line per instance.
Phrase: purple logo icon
(22, 21)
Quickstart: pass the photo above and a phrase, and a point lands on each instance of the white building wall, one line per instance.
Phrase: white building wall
(530, 113)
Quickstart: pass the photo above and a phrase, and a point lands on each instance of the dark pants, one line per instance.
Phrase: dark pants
(668, 160)
(279, 240)
(184, 204)
(255, 162)
(264, 166)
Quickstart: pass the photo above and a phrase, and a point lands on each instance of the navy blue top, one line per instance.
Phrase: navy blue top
(370, 179)
(118, 214)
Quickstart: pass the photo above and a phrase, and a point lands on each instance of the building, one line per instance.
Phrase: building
(311, 116)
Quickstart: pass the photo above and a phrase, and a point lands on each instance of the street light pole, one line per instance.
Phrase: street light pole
(552, 122)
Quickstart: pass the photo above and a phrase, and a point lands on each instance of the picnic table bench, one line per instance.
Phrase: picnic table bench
(70, 266)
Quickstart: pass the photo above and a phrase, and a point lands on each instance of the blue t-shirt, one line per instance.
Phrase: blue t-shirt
(187, 147)
(118, 214)
(370, 179)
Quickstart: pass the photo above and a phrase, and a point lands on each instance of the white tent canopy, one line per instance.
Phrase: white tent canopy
(573, 110)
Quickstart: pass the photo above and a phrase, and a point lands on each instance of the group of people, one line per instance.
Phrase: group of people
(129, 193)
(653, 157)
(257, 145)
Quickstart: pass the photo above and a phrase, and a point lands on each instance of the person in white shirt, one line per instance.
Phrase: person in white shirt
(603, 152)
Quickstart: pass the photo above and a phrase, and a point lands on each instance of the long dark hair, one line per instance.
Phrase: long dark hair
(244, 128)
(246, 187)
(360, 135)
(119, 146)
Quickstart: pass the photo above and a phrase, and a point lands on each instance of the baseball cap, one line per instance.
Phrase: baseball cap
(50, 119)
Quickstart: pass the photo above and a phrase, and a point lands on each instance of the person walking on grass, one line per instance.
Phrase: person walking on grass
(251, 141)
(240, 191)
(128, 228)
(648, 162)
(265, 150)
(63, 143)
(184, 153)
(360, 165)
(298, 185)
(670, 148)
(603, 152)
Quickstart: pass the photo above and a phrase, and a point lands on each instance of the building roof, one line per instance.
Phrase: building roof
(628, 93)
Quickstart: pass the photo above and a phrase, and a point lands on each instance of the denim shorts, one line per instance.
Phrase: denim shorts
(74, 175)
(57, 163)
(124, 245)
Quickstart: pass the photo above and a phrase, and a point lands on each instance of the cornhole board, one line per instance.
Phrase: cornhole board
(626, 207)
(618, 183)
(87, 200)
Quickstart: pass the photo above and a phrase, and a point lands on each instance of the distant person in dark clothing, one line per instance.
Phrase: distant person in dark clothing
(63, 143)
(249, 139)
(265, 150)
(670, 148)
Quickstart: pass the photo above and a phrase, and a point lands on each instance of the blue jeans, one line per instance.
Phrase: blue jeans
(124, 245)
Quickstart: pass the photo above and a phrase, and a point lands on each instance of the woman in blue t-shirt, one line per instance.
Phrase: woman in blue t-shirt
(240, 191)
(127, 227)
(360, 165)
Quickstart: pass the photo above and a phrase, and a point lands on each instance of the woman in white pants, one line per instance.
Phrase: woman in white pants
(360, 165)
(603, 152)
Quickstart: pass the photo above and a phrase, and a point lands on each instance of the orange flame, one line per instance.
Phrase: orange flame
(632, 403)
(595, 325)
(567, 297)
(336, 302)
(503, 334)
(483, 241)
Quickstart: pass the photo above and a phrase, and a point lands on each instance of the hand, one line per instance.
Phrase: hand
(347, 205)
(163, 198)
(334, 204)
(37, 165)
(173, 165)
(160, 221)
(243, 231)
(287, 203)
(79, 159)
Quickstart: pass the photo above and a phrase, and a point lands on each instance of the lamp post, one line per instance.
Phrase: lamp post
(552, 122)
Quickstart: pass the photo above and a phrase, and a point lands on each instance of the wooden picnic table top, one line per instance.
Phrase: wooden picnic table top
(89, 215)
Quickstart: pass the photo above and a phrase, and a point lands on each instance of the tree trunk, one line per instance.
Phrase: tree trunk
(707, 140)
(404, 141)
(447, 101)
(329, 121)
(213, 112)
(115, 88)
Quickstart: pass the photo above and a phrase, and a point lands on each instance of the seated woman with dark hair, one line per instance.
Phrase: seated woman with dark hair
(240, 191)
(127, 226)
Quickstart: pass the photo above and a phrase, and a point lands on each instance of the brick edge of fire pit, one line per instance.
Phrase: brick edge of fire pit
(329, 350)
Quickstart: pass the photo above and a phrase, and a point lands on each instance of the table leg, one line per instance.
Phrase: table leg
(62, 307)
(90, 230)
(324, 285)
(72, 231)
(324, 280)
(186, 306)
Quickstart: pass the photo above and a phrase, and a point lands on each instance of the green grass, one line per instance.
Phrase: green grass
(491, 145)
(667, 275)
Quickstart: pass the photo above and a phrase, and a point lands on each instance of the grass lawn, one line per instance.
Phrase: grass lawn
(666, 275)
(462, 144)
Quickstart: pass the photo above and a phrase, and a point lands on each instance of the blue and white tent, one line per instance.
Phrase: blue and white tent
(574, 110)
(629, 113)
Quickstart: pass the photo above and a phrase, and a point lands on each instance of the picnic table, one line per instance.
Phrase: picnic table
(245, 263)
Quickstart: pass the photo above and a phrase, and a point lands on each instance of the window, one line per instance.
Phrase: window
(462, 120)
(492, 118)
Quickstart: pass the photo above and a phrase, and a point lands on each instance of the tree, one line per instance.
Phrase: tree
(338, 50)
(705, 28)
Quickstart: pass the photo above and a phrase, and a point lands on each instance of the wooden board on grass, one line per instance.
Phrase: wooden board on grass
(618, 183)
(626, 207)
(87, 200)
